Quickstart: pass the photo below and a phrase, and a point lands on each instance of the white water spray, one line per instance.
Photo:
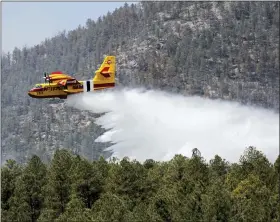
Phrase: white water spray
(157, 125)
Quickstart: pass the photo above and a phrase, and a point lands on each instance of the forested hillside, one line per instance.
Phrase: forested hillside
(226, 50)
(182, 189)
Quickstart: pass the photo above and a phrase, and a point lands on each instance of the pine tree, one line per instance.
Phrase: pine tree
(28, 198)
(58, 188)
(9, 174)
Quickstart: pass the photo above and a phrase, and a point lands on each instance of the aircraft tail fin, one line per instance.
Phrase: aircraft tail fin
(105, 75)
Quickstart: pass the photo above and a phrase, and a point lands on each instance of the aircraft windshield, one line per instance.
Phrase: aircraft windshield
(38, 86)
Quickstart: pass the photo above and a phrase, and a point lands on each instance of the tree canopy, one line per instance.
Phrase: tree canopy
(182, 189)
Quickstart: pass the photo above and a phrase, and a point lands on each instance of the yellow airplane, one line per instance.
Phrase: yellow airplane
(61, 85)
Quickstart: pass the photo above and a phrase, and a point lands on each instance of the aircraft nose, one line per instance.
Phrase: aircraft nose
(30, 93)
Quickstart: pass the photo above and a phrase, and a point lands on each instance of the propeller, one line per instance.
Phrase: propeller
(46, 77)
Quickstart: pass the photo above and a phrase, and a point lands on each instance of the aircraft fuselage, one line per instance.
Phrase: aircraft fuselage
(52, 90)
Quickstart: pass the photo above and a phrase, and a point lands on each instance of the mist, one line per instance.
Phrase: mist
(148, 124)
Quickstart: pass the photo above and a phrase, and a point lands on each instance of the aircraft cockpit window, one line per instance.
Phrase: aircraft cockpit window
(38, 86)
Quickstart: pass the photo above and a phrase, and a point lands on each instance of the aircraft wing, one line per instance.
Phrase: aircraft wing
(65, 82)
(59, 77)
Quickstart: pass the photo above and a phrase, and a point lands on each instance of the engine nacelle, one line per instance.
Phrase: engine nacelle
(88, 85)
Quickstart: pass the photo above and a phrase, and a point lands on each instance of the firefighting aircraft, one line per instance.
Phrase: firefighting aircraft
(60, 85)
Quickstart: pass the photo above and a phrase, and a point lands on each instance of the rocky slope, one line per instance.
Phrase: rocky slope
(226, 50)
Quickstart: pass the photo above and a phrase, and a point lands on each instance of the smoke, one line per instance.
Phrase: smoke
(157, 125)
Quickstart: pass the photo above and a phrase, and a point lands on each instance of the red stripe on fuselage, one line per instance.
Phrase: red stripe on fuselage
(37, 89)
(104, 85)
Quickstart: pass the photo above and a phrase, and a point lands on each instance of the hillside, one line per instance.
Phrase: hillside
(226, 50)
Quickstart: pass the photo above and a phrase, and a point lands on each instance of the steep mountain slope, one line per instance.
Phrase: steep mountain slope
(224, 50)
